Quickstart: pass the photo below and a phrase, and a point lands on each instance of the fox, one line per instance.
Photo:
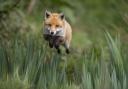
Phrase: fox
(57, 31)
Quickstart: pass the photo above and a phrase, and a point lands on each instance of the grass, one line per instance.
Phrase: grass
(31, 65)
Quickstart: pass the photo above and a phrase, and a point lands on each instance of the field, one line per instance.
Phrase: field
(98, 58)
(32, 66)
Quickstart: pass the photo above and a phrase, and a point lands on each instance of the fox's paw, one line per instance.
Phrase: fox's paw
(67, 51)
(50, 45)
(58, 51)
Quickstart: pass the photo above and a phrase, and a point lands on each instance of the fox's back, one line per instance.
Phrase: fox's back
(68, 32)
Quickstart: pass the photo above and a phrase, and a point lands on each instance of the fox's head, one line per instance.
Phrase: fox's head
(53, 22)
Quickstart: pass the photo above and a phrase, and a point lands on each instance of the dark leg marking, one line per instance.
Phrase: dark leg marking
(67, 51)
(50, 45)
(58, 49)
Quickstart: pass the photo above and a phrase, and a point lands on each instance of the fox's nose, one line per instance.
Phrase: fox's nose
(52, 33)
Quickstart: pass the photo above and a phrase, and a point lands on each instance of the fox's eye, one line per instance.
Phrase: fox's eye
(57, 26)
(49, 25)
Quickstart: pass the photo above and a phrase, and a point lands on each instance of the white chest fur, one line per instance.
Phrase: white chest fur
(59, 32)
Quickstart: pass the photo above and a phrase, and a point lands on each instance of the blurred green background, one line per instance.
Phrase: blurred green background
(99, 47)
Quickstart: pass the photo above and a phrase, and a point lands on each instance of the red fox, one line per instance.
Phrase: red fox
(57, 31)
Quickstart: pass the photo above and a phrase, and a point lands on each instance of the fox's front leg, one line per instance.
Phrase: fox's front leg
(49, 39)
(57, 45)
(58, 48)
(58, 40)
(50, 44)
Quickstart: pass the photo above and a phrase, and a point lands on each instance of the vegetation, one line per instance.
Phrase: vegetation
(98, 58)
(31, 66)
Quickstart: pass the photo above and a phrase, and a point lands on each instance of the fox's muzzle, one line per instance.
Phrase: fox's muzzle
(58, 32)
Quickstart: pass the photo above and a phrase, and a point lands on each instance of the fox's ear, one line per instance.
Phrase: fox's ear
(47, 14)
(62, 16)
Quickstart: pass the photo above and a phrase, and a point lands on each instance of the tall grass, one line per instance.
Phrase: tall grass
(30, 65)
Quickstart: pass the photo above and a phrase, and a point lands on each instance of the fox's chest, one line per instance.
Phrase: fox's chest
(56, 39)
